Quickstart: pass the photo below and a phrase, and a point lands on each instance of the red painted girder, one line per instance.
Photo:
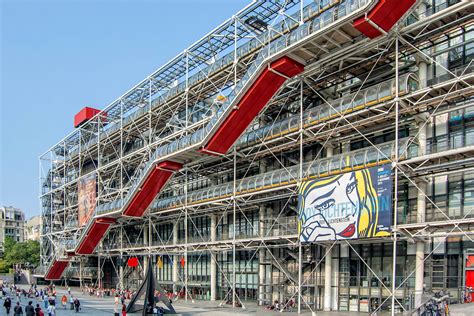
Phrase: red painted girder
(253, 101)
(151, 187)
(56, 270)
(385, 14)
(94, 235)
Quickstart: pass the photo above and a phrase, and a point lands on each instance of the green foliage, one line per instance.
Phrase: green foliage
(4, 268)
(25, 253)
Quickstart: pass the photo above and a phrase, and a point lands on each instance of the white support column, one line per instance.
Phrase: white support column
(80, 273)
(234, 275)
(420, 271)
(328, 279)
(121, 276)
(261, 258)
(145, 242)
(422, 188)
(175, 258)
(213, 258)
(121, 285)
(329, 150)
(99, 274)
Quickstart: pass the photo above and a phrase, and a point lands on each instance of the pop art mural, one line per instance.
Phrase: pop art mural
(352, 205)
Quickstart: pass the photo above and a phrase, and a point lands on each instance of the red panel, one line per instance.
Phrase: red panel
(254, 100)
(84, 115)
(151, 187)
(470, 282)
(170, 165)
(56, 270)
(363, 26)
(287, 66)
(94, 235)
(385, 14)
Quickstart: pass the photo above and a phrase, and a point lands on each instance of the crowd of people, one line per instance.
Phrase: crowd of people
(288, 305)
(45, 300)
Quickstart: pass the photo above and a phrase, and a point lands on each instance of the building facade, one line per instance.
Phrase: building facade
(12, 224)
(33, 228)
(201, 168)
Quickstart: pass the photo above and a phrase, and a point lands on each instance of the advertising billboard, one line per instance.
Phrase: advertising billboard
(86, 196)
(352, 205)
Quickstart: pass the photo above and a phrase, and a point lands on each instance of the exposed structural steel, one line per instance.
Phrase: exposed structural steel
(253, 101)
(382, 17)
(92, 236)
(151, 187)
(56, 269)
(198, 168)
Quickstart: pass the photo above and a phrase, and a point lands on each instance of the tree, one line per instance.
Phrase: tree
(25, 253)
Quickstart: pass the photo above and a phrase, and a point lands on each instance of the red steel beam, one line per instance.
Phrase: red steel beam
(254, 100)
(151, 187)
(382, 17)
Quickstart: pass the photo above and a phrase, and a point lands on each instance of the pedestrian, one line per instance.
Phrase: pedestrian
(77, 305)
(124, 310)
(64, 301)
(29, 309)
(7, 304)
(116, 309)
(18, 310)
(38, 310)
(51, 310)
(71, 302)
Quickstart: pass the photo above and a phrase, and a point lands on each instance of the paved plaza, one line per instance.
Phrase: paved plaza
(94, 306)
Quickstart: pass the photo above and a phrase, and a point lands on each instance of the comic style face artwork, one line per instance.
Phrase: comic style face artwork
(345, 206)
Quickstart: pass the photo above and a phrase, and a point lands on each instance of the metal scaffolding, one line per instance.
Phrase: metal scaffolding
(225, 224)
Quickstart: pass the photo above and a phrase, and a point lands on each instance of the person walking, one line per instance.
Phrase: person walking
(7, 304)
(124, 310)
(29, 309)
(51, 310)
(38, 310)
(77, 305)
(71, 302)
(64, 301)
(18, 310)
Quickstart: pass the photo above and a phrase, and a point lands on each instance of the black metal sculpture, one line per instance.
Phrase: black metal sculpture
(148, 288)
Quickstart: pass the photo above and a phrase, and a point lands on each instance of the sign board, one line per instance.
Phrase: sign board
(352, 205)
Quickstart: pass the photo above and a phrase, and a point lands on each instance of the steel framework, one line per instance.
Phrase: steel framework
(225, 221)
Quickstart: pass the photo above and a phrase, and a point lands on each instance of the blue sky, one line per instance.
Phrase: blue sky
(59, 56)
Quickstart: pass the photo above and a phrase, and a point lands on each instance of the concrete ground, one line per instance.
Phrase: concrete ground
(93, 306)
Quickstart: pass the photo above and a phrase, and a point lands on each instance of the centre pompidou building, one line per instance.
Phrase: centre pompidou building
(320, 151)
